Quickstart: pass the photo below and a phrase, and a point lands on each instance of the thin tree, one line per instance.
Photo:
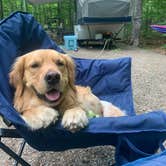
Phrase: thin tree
(136, 22)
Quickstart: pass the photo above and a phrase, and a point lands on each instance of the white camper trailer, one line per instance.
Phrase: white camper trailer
(98, 17)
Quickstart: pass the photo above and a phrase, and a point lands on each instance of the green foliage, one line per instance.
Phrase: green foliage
(48, 14)
(154, 12)
(52, 15)
(164, 46)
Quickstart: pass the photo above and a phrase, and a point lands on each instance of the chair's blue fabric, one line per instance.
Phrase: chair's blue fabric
(133, 136)
(154, 160)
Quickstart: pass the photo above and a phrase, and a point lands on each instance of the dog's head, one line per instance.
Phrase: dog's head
(47, 73)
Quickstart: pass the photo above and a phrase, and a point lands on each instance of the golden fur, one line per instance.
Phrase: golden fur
(89, 102)
(40, 103)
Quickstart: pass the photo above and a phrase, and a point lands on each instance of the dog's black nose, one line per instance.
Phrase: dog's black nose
(52, 78)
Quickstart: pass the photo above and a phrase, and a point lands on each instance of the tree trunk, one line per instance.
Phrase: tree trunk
(136, 22)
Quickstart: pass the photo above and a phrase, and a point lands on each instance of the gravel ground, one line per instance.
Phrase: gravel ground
(149, 88)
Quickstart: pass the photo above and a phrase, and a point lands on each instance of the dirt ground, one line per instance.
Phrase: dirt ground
(149, 89)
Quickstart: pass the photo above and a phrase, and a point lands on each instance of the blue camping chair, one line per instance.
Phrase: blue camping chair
(133, 136)
(156, 160)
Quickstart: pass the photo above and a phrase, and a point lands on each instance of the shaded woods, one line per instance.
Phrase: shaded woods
(153, 12)
(61, 14)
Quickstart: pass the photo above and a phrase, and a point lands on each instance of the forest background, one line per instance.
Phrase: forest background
(51, 15)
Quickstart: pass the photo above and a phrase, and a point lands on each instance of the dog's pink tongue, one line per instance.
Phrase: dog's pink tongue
(53, 95)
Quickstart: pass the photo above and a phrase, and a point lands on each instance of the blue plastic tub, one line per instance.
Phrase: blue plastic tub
(70, 42)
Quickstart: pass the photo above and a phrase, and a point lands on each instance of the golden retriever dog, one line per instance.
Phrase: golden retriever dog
(45, 91)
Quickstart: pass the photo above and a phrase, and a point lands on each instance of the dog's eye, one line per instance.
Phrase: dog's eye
(35, 65)
(59, 63)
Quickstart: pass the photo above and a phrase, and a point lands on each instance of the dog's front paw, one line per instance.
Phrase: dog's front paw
(74, 119)
(40, 117)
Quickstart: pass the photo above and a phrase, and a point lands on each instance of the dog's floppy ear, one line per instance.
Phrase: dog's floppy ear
(71, 70)
(16, 75)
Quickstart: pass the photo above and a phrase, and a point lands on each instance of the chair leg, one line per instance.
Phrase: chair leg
(20, 152)
(13, 154)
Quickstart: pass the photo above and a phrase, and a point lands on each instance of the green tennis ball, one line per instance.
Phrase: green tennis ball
(91, 114)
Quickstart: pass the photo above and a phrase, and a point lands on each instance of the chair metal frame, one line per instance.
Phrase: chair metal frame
(12, 133)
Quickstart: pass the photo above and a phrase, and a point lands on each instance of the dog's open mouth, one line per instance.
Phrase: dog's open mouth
(52, 95)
